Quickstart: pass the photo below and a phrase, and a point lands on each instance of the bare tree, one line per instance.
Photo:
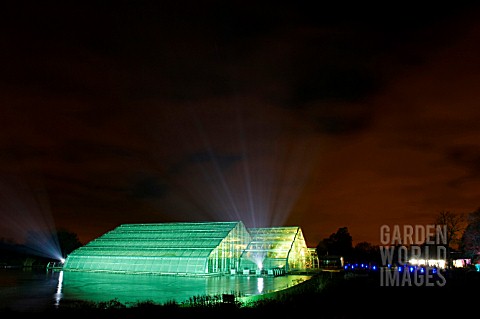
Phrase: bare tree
(455, 226)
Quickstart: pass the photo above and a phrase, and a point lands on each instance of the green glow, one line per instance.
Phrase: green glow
(275, 247)
(204, 248)
(133, 288)
(169, 248)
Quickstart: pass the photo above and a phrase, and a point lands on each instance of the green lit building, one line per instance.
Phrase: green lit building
(197, 248)
(275, 248)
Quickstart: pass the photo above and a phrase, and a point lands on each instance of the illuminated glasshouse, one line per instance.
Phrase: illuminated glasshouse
(275, 248)
(197, 248)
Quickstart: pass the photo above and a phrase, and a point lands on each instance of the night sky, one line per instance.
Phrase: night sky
(321, 116)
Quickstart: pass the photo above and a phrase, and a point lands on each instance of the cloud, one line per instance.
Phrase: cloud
(142, 107)
(223, 161)
(148, 187)
(84, 151)
(332, 84)
(466, 157)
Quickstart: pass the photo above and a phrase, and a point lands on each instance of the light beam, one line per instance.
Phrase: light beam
(26, 217)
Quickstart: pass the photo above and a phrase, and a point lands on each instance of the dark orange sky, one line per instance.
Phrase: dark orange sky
(322, 117)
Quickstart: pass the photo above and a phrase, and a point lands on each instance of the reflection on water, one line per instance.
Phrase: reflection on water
(260, 285)
(37, 290)
(58, 294)
(27, 290)
(160, 289)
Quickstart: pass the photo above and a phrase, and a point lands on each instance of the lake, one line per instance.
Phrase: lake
(35, 290)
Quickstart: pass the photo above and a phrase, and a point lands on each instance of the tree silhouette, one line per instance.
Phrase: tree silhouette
(68, 241)
(471, 236)
(455, 225)
(338, 244)
(365, 252)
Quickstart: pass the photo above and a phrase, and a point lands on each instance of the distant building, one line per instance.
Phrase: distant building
(331, 262)
(460, 260)
(197, 248)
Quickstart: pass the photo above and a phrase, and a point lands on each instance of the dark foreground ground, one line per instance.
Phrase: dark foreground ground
(328, 295)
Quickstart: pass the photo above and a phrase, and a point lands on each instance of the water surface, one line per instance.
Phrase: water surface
(38, 290)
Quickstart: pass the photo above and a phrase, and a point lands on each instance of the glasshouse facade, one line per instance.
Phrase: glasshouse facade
(197, 248)
(275, 248)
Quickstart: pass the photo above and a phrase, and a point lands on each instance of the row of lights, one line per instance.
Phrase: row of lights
(359, 266)
(374, 268)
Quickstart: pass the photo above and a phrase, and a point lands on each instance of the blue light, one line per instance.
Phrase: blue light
(374, 267)
(411, 269)
(400, 269)
(422, 270)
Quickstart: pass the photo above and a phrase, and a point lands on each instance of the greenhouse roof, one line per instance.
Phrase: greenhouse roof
(272, 238)
(179, 239)
(278, 239)
(274, 233)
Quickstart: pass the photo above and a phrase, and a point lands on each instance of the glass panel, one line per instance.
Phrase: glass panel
(192, 248)
(282, 247)
(162, 248)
